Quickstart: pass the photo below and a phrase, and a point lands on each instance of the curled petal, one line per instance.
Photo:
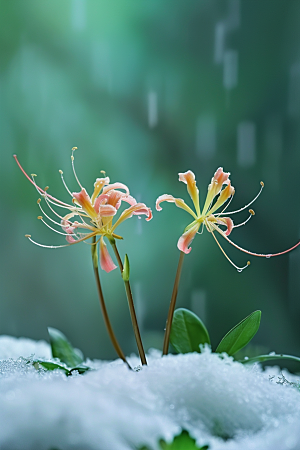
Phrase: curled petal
(114, 197)
(137, 209)
(129, 199)
(115, 186)
(106, 262)
(107, 210)
(84, 201)
(98, 185)
(226, 221)
(178, 202)
(189, 179)
(70, 239)
(65, 221)
(186, 238)
(220, 176)
(101, 200)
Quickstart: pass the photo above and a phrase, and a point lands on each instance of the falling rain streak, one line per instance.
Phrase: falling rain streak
(246, 144)
(78, 14)
(206, 137)
(152, 109)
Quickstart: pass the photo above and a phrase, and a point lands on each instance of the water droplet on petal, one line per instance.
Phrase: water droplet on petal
(268, 256)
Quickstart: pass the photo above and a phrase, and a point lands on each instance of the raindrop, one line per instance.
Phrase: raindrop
(172, 406)
(246, 144)
(246, 358)
(240, 270)
(272, 354)
(152, 109)
(268, 256)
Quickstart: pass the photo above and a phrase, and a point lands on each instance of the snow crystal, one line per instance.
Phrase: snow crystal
(220, 402)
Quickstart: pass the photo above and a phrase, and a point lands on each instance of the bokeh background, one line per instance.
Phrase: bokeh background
(147, 89)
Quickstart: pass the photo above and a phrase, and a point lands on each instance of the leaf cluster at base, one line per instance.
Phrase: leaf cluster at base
(181, 442)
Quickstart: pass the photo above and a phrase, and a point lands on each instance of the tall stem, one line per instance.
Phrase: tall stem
(131, 308)
(172, 305)
(103, 306)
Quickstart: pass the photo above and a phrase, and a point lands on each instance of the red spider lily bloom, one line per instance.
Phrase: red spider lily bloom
(94, 214)
(219, 191)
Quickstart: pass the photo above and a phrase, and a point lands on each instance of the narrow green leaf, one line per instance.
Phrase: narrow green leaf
(49, 365)
(187, 332)
(240, 335)
(262, 358)
(62, 348)
(181, 442)
(80, 368)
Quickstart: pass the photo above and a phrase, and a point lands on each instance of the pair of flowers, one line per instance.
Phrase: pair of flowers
(93, 216)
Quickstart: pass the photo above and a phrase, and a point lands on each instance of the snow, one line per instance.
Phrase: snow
(220, 402)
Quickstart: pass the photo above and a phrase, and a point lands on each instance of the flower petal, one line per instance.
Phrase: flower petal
(106, 262)
(186, 239)
(83, 199)
(98, 185)
(115, 186)
(178, 202)
(107, 210)
(137, 209)
(189, 179)
(226, 221)
(220, 177)
(223, 197)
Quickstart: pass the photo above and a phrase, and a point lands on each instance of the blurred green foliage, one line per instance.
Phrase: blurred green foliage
(147, 89)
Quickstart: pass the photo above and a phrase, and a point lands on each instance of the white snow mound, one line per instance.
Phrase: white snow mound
(220, 402)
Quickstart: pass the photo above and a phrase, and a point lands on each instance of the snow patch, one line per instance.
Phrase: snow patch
(220, 402)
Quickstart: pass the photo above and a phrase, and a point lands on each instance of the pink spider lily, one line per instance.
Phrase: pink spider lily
(219, 192)
(94, 214)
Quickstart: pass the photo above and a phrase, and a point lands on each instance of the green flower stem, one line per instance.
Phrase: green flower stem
(131, 307)
(172, 305)
(103, 306)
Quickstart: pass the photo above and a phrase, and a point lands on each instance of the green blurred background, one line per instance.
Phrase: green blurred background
(147, 89)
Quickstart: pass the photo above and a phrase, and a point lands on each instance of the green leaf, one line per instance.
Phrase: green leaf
(49, 365)
(63, 350)
(181, 442)
(187, 332)
(80, 368)
(262, 358)
(240, 335)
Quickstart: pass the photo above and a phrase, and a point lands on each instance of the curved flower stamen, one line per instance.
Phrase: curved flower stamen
(96, 213)
(219, 192)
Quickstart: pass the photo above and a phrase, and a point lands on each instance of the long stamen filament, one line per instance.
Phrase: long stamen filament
(245, 221)
(48, 217)
(53, 229)
(262, 255)
(252, 201)
(64, 183)
(73, 167)
(239, 269)
(224, 209)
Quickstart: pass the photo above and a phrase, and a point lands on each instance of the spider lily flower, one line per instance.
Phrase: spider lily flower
(220, 193)
(89, 216)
